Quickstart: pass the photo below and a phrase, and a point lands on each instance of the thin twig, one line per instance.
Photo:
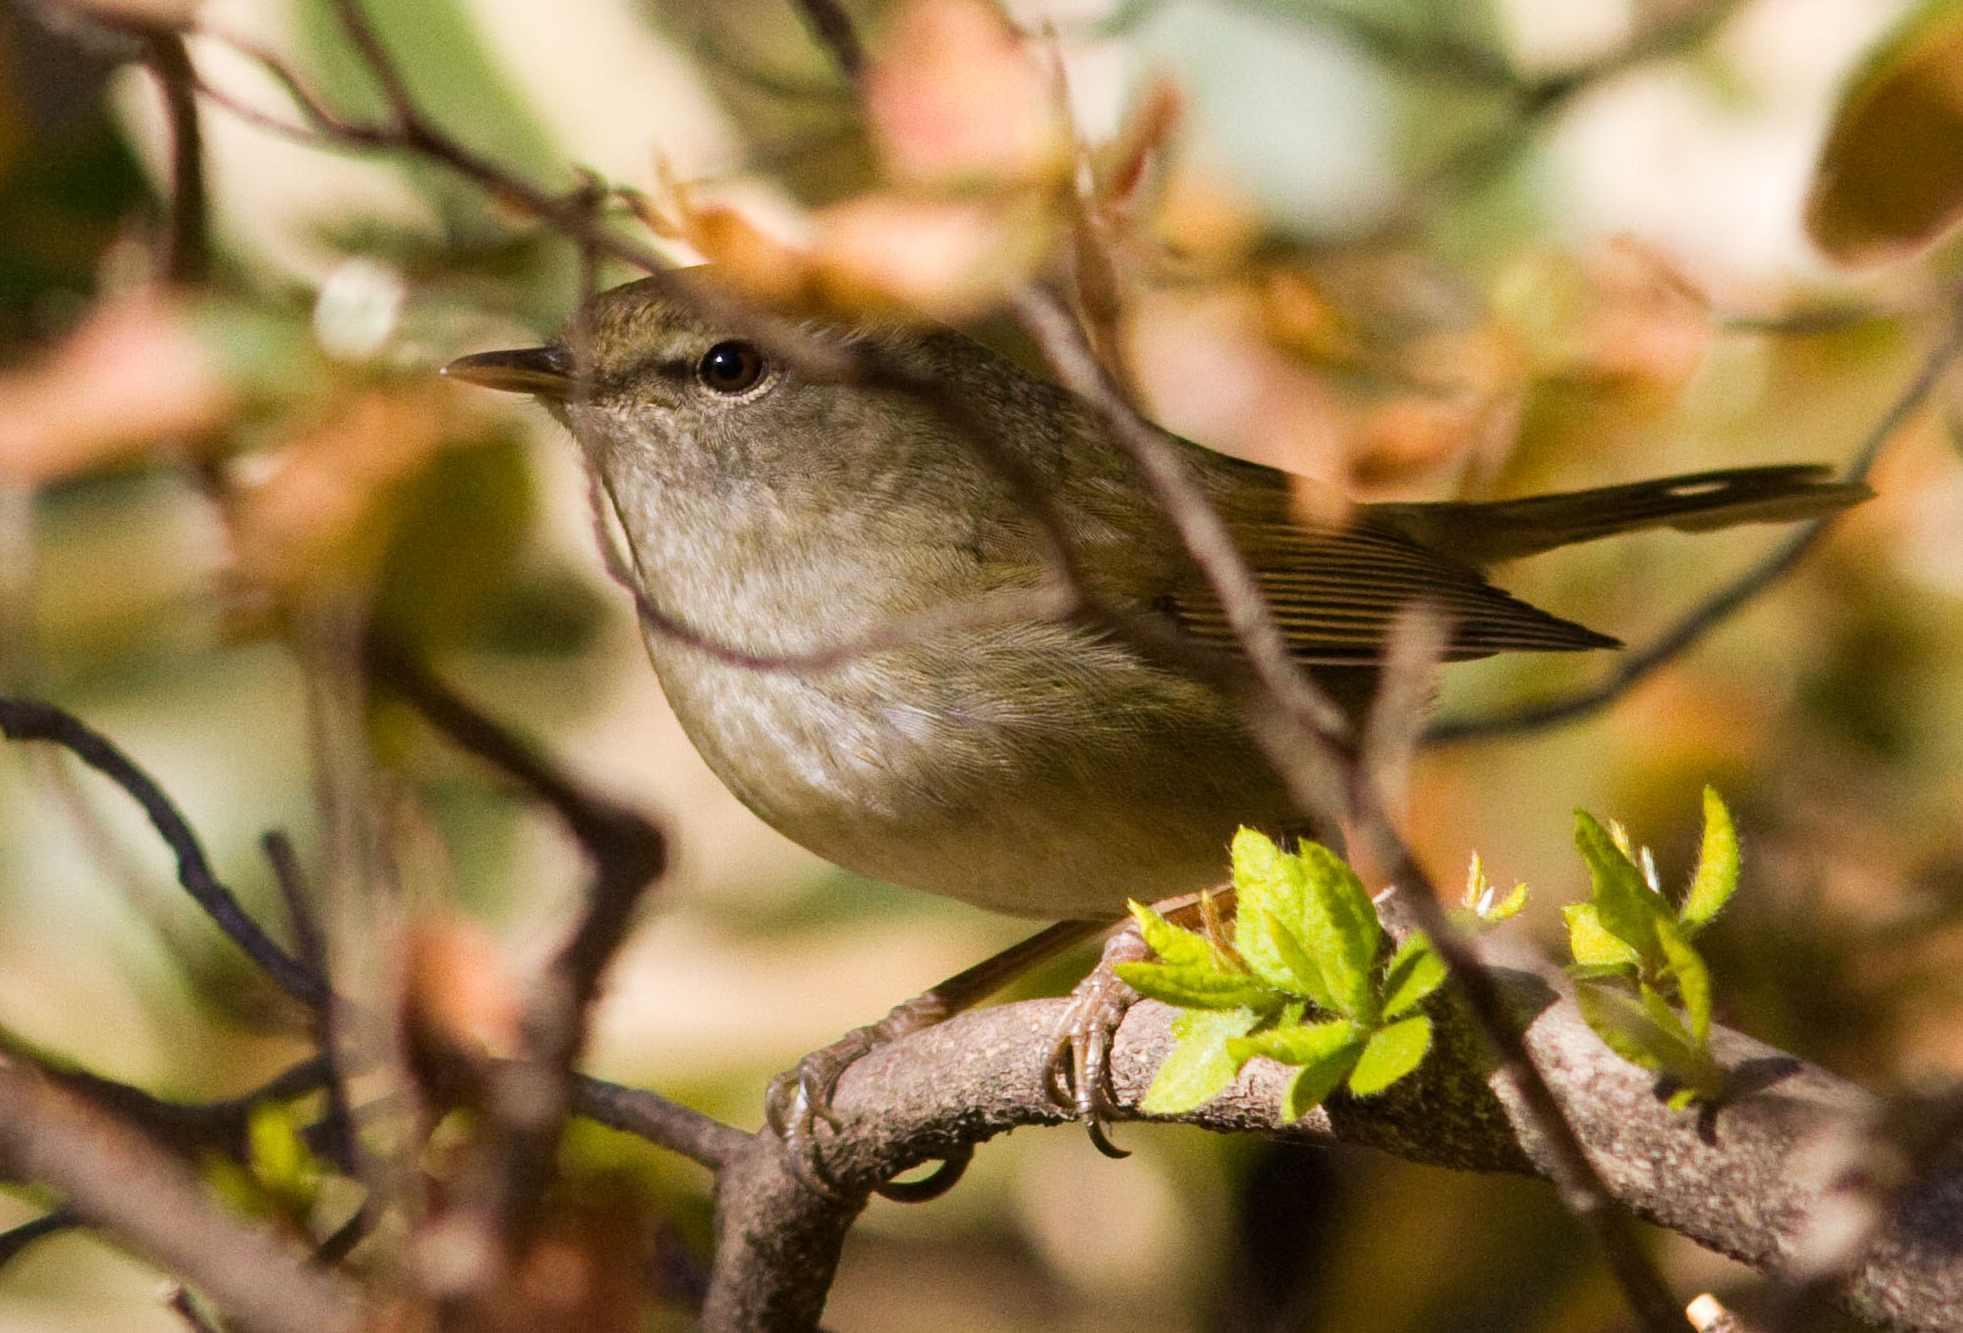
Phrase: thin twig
(22, 720)
(15, 1241)
(187, 248)
(664, 1123)
(834, 29)
(1638, 664)
(338, 1124)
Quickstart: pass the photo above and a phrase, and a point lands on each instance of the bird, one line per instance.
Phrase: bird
(775, 505)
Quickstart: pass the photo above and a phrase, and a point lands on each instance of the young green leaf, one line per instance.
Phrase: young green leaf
(1318, 1079)
(1624, 905)
(1592, 946)
(1269, 887)
(1199, 1066)
(1507, 907)
(1415, 971)
(1686, 967)
(1193, 987)
(1174, 944)
(1300, 1044)
(1717, 866)
(1390, 1054)
(1338, 924)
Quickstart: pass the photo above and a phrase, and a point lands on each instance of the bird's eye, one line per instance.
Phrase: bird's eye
(731, 367)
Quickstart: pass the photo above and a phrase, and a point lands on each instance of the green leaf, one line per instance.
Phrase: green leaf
(1318, 1079)
(281, 1161)
(1390, 1054)
(1506, 907)
(1415, 971)
(1686, 967)
(1299, 1044)
(1624, 904)
(1890, 177)
(1175, 944)
(1645, 1032)
(1593, 947)
(1623, 1024)
(1269, 886)
(1195, 987)
(1717, 866)
(1338, 924)
(1200, 1065)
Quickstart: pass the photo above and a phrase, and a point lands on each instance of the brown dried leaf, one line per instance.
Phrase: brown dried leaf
(886, 254)
(955, 97)
(133, 375)
(310, 525)
(1125, 163)
(460, 999)
(1890, 178)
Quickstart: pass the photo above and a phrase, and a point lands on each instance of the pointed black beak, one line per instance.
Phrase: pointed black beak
(544, 372)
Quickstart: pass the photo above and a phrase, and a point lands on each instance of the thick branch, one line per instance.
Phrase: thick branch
(1734, 1179)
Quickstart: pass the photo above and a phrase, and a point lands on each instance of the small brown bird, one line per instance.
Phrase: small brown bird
(1038, 767)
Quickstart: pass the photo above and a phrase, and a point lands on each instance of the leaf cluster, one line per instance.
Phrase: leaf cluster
(1304, 981)
(1633, 954)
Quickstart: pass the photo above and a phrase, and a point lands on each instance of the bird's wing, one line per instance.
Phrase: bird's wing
(1337, 590)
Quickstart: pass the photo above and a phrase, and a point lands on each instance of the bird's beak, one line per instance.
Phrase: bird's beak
(544, 372)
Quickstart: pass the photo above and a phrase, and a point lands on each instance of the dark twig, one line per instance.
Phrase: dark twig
(834, 29)
(1565, 1161)
(187, 248)
(15, 1241)
(664, 1123)
(1638, 664)
(529, 1098)
(1304, 752)
(187, 1310)
(338, 1125)
(22, 720)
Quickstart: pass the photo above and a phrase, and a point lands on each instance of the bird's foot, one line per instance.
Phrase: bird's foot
(800, 1098)
(1078, 1076)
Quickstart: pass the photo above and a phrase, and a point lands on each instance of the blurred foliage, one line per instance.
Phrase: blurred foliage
(1415, 245)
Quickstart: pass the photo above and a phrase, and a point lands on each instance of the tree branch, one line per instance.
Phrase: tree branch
(21, 720)
(1681, 1170)
(113, 1178)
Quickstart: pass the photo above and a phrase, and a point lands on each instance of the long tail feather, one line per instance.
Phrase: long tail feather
(1481, 533)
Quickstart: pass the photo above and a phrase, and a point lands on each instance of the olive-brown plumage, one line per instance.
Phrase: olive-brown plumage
(1033, 767)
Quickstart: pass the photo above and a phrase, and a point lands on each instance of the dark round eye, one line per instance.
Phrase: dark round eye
(731, 367)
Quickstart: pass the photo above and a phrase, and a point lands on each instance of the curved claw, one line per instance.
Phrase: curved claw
(1077, 1076)
(801, 1155)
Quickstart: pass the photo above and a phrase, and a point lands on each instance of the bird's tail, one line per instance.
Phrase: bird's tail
(1485, 532)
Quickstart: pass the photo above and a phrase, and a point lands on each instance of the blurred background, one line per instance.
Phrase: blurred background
(1431, 248)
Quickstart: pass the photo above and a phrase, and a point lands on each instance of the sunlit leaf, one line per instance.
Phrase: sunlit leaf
(1686, 967)
(1592, 946)
(1415, 971)
(1624, 905)
(1194, 986)
(1318, 1079)
(1200, 1065)
(1390, 1054)
(1301, 1044)
(1270, 886)
(1338, 925)
(1717, 865)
